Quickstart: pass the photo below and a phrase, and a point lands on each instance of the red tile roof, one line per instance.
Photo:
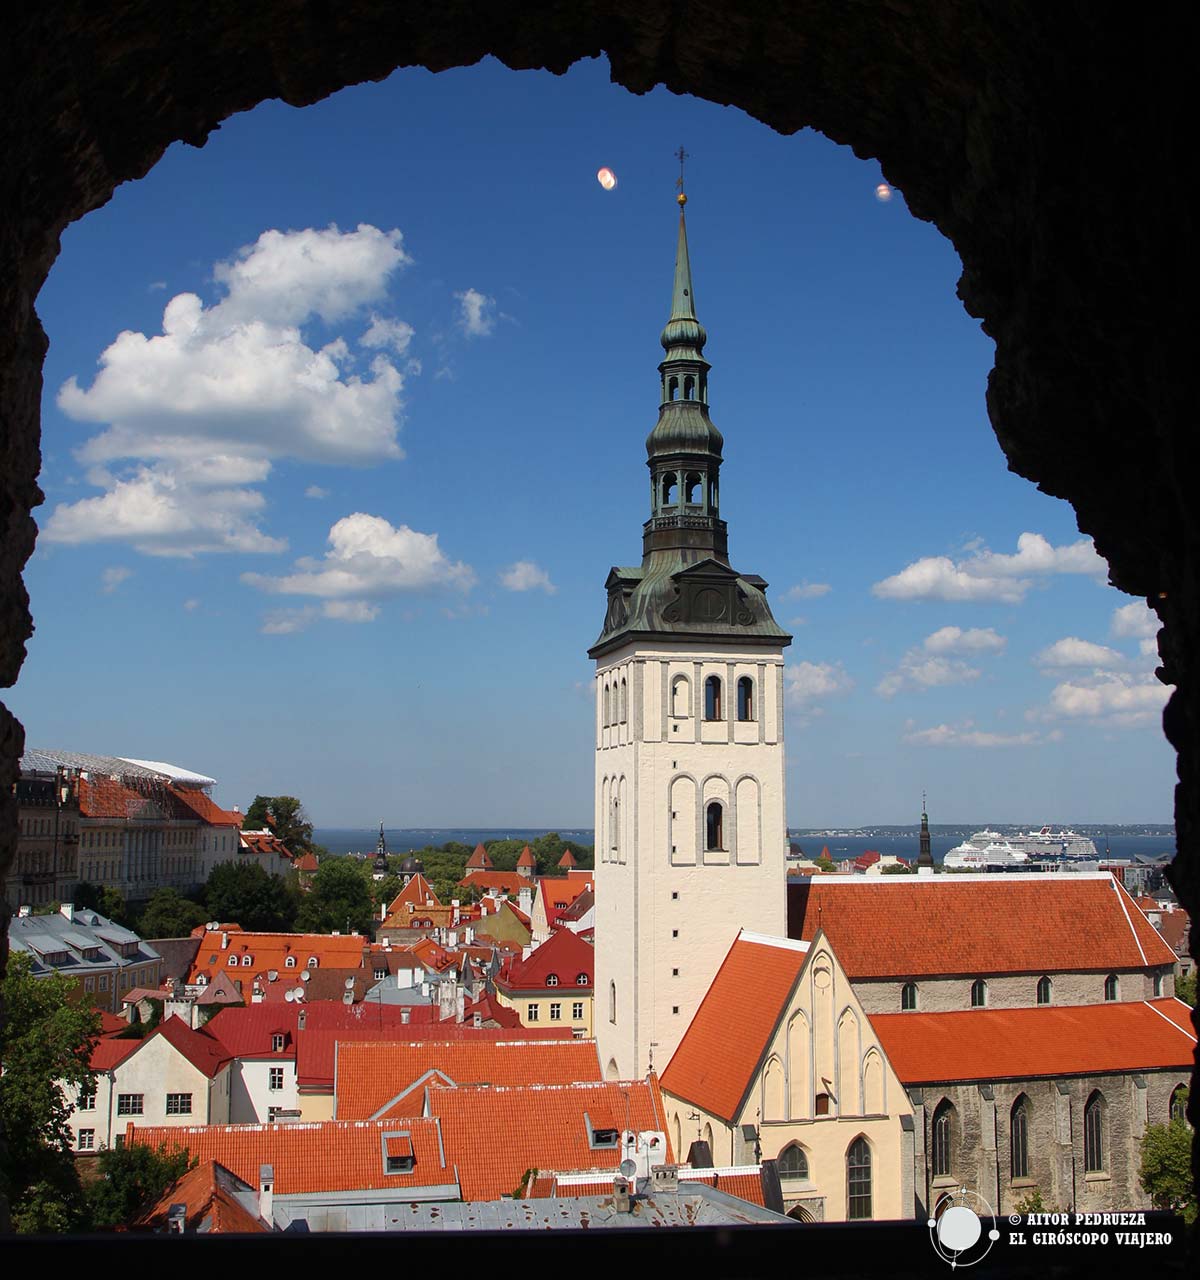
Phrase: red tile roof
(332, 1155)
(207, 1192)
(1046, 1040)
(247, 1030)
(110, 1051)
(713, 1068)
(202, 805)
(905, 926)
(568, 859)
(372, 1077)
(526, 859)
(494, 1135)
(1175, 927)
(204, 1051)
(264, 842)
(495, 882)
(106, 798)
(564, 956)
(479, 860)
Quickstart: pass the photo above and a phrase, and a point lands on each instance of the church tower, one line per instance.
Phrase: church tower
(691, 836)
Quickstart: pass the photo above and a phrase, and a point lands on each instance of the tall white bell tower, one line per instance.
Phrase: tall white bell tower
(691, 835)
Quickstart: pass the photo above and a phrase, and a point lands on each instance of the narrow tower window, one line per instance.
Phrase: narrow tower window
(693, 490)
(908, 996)
(681, 695)
(745, 689)
(624, 701)
(669, 486)
(978, 994)
(689, 388)
(712, 698)
(714, 826)
(1110, 987)
(1093, 1134)
(672, 388)
(942, 1155)
(1019, 1139)
(858, 1180)
(1043, 990)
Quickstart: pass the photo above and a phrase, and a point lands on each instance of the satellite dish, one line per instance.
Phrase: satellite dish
(349, 984)
(628, 1168)
(304, 975)
(289, 995)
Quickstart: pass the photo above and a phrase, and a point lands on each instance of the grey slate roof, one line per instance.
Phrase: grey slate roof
(39, 936)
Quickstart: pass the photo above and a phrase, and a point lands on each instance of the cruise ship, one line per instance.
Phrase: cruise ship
(1032, 850)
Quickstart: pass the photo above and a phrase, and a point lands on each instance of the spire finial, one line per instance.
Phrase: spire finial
(681, 155)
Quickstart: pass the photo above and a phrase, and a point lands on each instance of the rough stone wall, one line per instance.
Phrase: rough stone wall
(1042, 139)
(1012, 991)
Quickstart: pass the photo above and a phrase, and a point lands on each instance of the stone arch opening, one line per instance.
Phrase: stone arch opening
(1089, 408)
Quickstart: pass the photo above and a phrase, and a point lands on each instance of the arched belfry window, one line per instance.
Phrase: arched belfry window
(858, 1180)
(1019, 1139)
(712, 698)
(693, 488)
(689, 388)
(670, 484)
(745, 695)
(943, 1132)
(714, 826)
(672, 388)
(681, 696)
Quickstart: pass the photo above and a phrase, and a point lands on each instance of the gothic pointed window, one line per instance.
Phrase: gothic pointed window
(908, 996)
(943, 1119)
(1093, 1134)
(714, 826)
(745, 694)
(858, 1180)
(1110, 987)
(712, 698)
(607, 705)
(1019, 1139)
(793, 1163)
(1178, 1108)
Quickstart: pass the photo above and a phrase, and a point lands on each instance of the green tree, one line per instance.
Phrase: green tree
(1185, 988)
(243, 893)
(340, 898)
(169, 914)
(897, 869)
(1166, 1170)
(47, 1040)
(130, 1179)
(107, 901)
(824, 863)
(285, 816)
(383, 891)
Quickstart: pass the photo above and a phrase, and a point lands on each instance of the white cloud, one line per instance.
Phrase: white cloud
(396, 334)
(966, 735)
(990, 576)
(315, 491)
(956, 640)
(112, 578)
(807, 591)
(191, 605)
(1135, 619)
(1073, 652)
(806, 683)
(1122, 700)
(477, 313)
(930, 665)
(368, 560)
(286, 622)
(527, 576)
(227, 388)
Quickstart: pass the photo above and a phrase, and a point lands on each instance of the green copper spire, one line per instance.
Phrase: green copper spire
(683, 338)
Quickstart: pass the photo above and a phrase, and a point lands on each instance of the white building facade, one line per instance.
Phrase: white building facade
(691, 834)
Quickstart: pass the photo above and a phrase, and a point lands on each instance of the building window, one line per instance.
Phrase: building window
(290, 962)
(942, 1118)
(232, 962)
(577, 1011)
(582, 980)
(712, 698)
(87, 1101)
(1110, 987)
(179, 1104)
(1093, 1134)
(130, 1104)
(312, 962)
(681, 696)
(1179, 1098)
(612, 1002)
(714, 826)
(552, 979)
(793, 1163)
(380, 974)
(87, 1139)
(555, 1012)
(858, 1180)
(1043, 990)
(908, 996)
(89, 984)
(104, 982)
(1158, 985)
(745, 690)
(821, 1104)
(1019, 1139)
(277, 1042)
(532, 1013)
(978, 994)
(273, 1114)
(247, 961)
(275, 1079)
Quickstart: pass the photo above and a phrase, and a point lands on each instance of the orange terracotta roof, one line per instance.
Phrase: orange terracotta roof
(106, 798)
(264, 842)
(417, 892)
(893, 926)
(372, 1077)
(558, 894)
(564, 956)
(479, 860)
(307, 862)
(331, 1155)
(1175, 928)
(494, 1135)
(202, 805)
(1046, 1040)
(208, 1193)
(495, 881)
(526, 859)
(713, 1068)
(270, 951)
(568, 859)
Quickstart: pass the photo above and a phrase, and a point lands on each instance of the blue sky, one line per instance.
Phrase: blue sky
(344, 424)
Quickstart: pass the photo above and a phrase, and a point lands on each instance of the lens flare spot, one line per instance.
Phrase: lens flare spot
(606, 178)
(883, 193)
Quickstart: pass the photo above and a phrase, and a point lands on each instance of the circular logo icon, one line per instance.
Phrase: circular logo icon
(963, 1228)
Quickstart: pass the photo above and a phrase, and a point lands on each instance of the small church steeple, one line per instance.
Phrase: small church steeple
(380, 868)
(925, 855)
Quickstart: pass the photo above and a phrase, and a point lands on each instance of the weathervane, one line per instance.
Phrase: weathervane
(681, 155)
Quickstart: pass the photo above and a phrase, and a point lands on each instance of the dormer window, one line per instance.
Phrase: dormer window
(232, 962)
(398, 1155)
(581, 980)
(290, 962)
(312, 962)
(277, 1042)
(247, 961)
(605, 1137)
(552, 979)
